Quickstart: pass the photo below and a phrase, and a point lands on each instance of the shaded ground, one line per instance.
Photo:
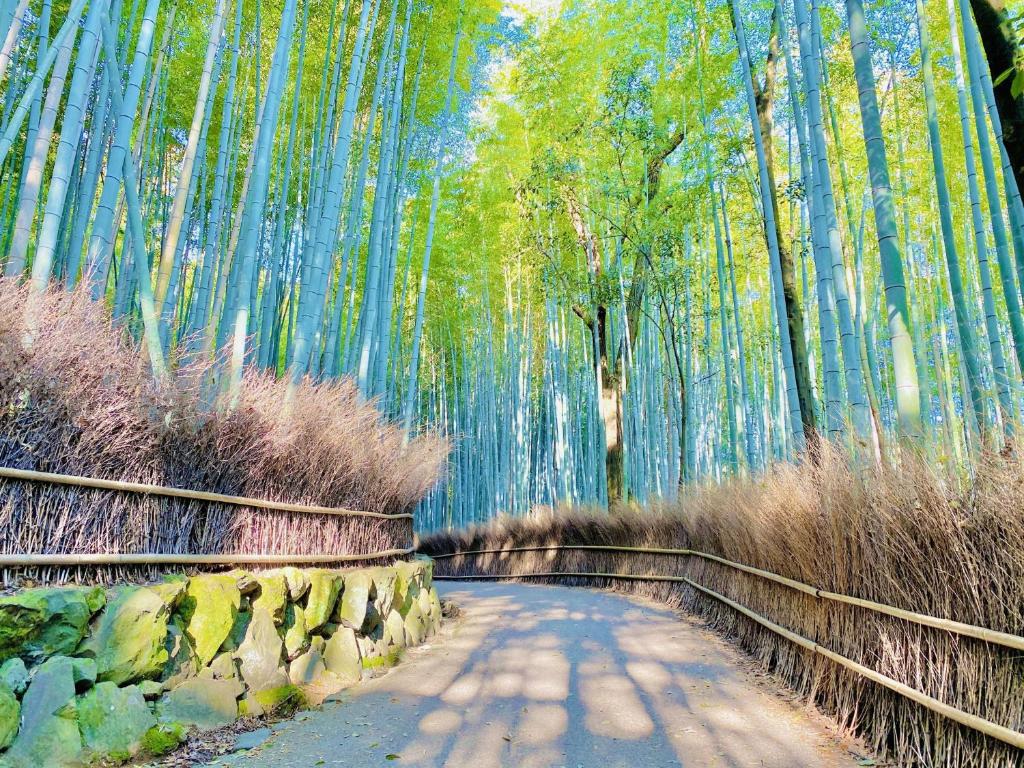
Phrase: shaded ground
(536, 676)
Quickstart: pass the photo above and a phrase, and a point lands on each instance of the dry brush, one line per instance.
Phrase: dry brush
(76, 398)
(908, 537)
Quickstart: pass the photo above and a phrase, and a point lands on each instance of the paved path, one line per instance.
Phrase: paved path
(541, 677)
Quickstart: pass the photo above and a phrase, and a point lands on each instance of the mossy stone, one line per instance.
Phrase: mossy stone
(151, 689)
(84, 672)
(203, 702)
(238, 629)
(296, 638)
(297, 581)
(373, 645)
(260, 654)
(38, 623)
(414, 627)
(426, 570)
(223, 666)
(113, 721)
(309, 667)
(385, 580)
(10, 715)
(408, 577)
(245, 581)
(324, 587)
(394, 629)
(342, 657)
(14, 675)
(285, 697)
(49, 731)
(354, 600)
(210, 607)
(382, 661)
(182, 661)
(435, 608)
(273, 595)
(171, 590)
(128, 638)
(163, 737)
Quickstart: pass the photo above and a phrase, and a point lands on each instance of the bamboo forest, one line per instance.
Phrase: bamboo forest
(714, 305)
(608, 248)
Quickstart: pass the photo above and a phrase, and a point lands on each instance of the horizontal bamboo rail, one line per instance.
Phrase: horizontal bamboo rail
(967, 630)
(153, 558)
(145, 489)
(980, 724)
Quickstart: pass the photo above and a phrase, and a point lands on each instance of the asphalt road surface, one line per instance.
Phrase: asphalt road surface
(536, 676)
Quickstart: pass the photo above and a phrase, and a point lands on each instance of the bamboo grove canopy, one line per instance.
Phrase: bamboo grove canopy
(607, 246)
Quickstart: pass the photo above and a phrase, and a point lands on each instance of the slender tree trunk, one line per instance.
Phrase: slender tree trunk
(965, 326)
(908, 403)
(435, 196)
(36, 161)
(775, 259)
(765, 101)
(1005, 55)
(174, 223)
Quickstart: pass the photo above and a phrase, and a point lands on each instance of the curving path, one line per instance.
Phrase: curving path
(545, 677)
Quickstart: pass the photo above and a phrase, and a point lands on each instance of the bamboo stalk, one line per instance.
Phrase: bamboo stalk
(29, 475)
(967, 630)
(156, 558)
(987, 727)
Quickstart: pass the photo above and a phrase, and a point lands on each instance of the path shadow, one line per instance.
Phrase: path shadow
(539, 677)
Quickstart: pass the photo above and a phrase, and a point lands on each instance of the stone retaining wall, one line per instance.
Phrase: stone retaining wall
(89, 674)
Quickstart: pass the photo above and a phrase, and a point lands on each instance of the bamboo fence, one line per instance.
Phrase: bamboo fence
(994, 730)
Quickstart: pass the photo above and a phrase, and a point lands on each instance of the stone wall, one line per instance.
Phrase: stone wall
(89, 674)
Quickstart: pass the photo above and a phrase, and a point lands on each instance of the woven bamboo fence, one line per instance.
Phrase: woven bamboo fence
(118, 530)
(865, 662)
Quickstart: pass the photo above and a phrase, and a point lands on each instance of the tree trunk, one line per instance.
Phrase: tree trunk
(908, 405)
(764, 98)
(1006, 61)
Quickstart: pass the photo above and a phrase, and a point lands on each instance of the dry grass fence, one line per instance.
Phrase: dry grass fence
(77, 399)
(908, 537)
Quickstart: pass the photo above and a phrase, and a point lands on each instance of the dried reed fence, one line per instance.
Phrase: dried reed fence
(910, 538)
(76, 399)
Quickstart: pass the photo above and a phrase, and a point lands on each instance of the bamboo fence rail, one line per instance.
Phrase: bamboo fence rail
(145, 489)
(75, 560)
(968, 630)
(987, 727)
(156, 558)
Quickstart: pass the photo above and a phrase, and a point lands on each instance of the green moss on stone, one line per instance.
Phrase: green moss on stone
(297, 581)
(163, 737)
(296, 638)
(238, 629)
(260, 654)
(210, 608)
(324, 587)
(203, 702)
(128, 637)
(281, 700)
(408, 577)
(113, 721)
(352, 609)
(49, 732)
(389, 659)
(273, 595)
(426, 570)
(385, 581)
(39, 623)
(342, 656)
(182, 662)
(10, 713)
(394, 629)
(14, 675)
